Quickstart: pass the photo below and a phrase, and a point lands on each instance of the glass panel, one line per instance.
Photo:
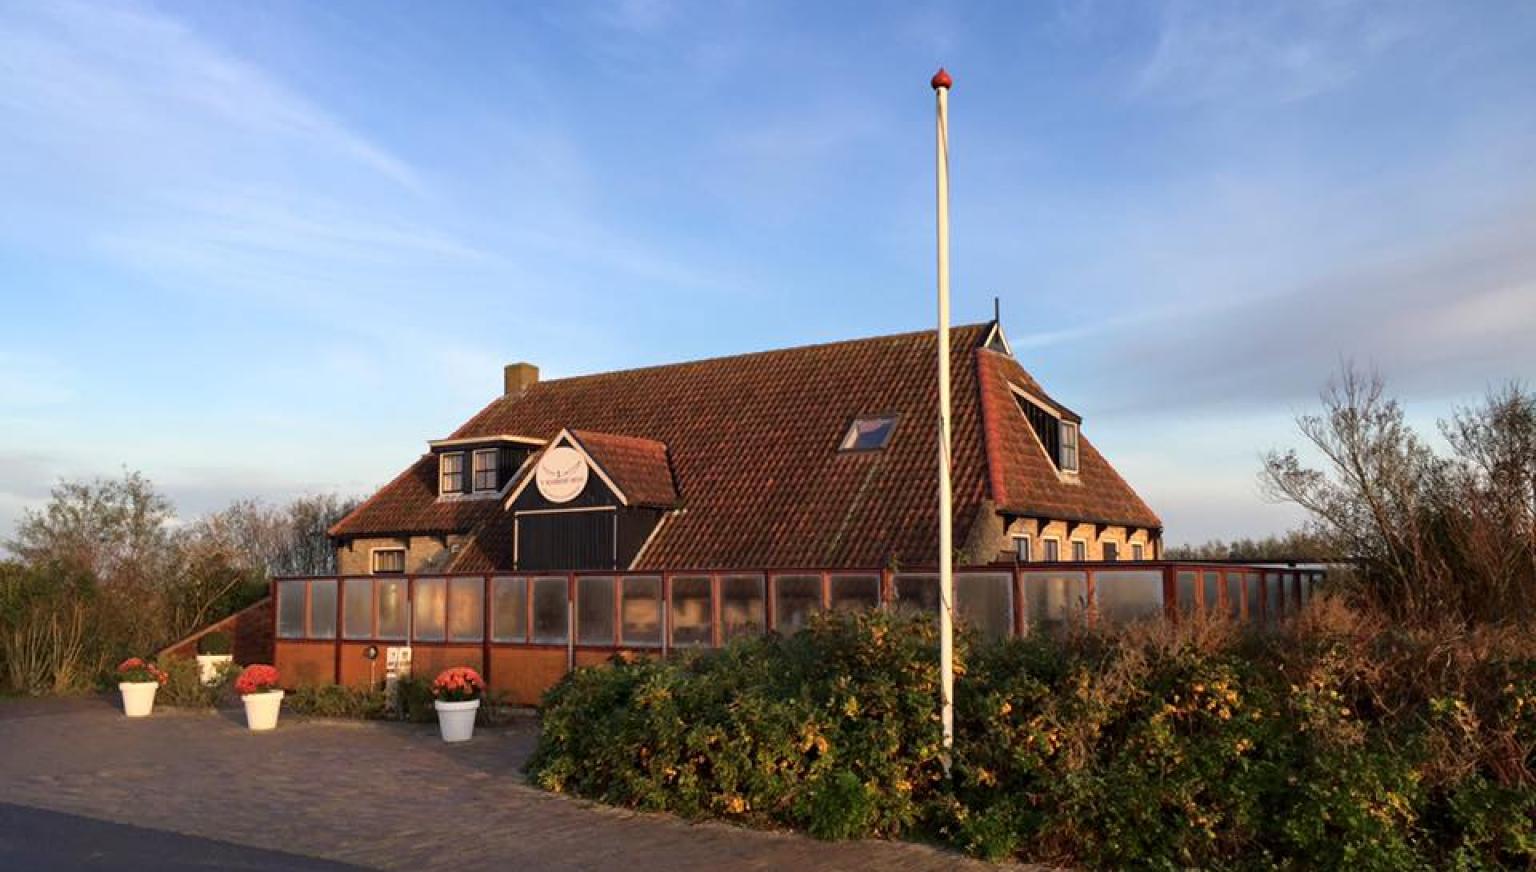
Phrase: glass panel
(742, 606)
(641, 610)
(1052, 550)
(917, 592)
(594, 610)
(853, 592)
(1212, 585)
(322, 608)
(290, 609)
(984, 601)
(431, 609)
(1274, 606)
(1234, 582)
(868, 434)
(1253, 606)
(551, 616)
(1128, 596)
(1189, 591)
(357, 608)
(1079, 550)
(509, 609)
(692, 616)
(795, 599)
(466, 604)
(394, 610)
(1052, 599)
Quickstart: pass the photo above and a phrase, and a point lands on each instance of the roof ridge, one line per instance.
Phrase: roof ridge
(746, 354)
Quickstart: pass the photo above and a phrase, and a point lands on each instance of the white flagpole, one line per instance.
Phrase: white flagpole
(941, 84)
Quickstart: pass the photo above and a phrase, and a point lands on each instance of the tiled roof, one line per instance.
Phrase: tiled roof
(637, 466)
(1023, 479)
(409, 504)
(751, 446)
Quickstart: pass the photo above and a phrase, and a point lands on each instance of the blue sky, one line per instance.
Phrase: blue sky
(262, 249)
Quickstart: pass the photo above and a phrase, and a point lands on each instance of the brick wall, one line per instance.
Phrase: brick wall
(250, 629)
(422, 553)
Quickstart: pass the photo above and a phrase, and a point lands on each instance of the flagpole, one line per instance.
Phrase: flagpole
(941, 84)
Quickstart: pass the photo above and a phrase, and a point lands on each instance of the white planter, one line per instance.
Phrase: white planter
(208, 666)
(456, 720)
(138, 697)
(261, 709)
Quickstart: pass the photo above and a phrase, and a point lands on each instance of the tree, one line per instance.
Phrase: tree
(114, 529)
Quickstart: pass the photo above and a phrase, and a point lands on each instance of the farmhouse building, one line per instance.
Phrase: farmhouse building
(815, 457)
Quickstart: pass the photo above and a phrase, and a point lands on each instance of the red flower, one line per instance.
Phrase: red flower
(458, 684)
(257, 678)
(138, 670)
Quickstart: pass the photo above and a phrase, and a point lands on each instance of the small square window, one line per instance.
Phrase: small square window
(451, 467)
(1052, 550)
(1079, 550)
(1021, 548)
(485, 469)
(868, 434)
(1138, 552)
(388, 561)
(1111, 551)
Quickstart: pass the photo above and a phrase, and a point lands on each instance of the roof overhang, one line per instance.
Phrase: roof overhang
(485, 440)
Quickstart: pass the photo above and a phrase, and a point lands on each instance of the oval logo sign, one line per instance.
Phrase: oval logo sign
(561, 474)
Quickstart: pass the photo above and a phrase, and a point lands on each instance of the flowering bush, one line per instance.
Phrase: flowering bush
(137, 669)
(458, 684)
(257, 678)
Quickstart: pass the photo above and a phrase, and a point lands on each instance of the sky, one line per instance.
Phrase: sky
(268, 249)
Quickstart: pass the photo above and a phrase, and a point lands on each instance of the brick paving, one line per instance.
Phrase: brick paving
(387, 796)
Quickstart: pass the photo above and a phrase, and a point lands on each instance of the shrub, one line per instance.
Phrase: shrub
(1338, 741)
(184, 685)
(338, 701)
(216, 643)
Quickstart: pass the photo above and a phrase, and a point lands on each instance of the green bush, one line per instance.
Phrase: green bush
(337, 701)
(1337, 742)
(184, 686)
(216, 643)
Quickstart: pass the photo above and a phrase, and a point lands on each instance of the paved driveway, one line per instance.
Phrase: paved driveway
(372, 795)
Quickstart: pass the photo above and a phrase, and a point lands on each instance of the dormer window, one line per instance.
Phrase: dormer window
(1068, 447)
(868, 434)
(1057, 435)
(485, 469)
(451, 472)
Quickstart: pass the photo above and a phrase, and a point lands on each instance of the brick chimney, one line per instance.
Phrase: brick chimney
(518, 377)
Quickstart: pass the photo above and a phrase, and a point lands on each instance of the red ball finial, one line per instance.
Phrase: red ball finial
(941, 79)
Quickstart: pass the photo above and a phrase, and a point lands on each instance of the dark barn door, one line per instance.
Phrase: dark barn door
(565, 541)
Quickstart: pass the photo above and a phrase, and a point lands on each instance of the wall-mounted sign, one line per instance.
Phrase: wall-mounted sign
(561, 474)
(397, 661)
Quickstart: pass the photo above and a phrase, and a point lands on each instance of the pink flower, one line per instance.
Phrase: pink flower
(257, 678)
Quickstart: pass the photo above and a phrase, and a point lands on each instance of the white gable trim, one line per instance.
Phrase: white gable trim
(997, 333)
(580, 449)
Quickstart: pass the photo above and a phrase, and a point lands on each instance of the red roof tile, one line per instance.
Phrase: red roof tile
(750, 444)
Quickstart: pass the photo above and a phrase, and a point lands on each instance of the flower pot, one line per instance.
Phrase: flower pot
(261, 709)
(208, 666)
(138, 697)
(456, 720)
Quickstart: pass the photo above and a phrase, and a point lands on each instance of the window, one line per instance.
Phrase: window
(868, 434)
(430, 599)
(485, 469)
(1079, 550)
(388, 561)
(984, 601)
(1052, 549)
(466, 609)
(1111, 551)
(1054, 599)
(854, 592)
(394, 608)
(640, 611)
(551, 610)
(1068, 460)
(693, 617)
(594, 610)
(290, 609)
(322, 608)
(509, 609)
(451, 468)
(1188, 591)
(1138, 551)
(1021, 548)
(1212, 593)
(741, 606)
(1046, 426)
(357, 608)
(795, 599)
(917, 592)
(1128, 595)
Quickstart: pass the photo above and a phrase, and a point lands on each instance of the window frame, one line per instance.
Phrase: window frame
(1025, 554)
(373, 560)
(1138, 551)
(1106, 549)
(475, 471)
(849, 444)
(1079, 543)
(1069, 447)
(443, 473)
(1049, 544)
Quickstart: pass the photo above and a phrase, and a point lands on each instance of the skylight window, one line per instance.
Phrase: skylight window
(868, 434)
